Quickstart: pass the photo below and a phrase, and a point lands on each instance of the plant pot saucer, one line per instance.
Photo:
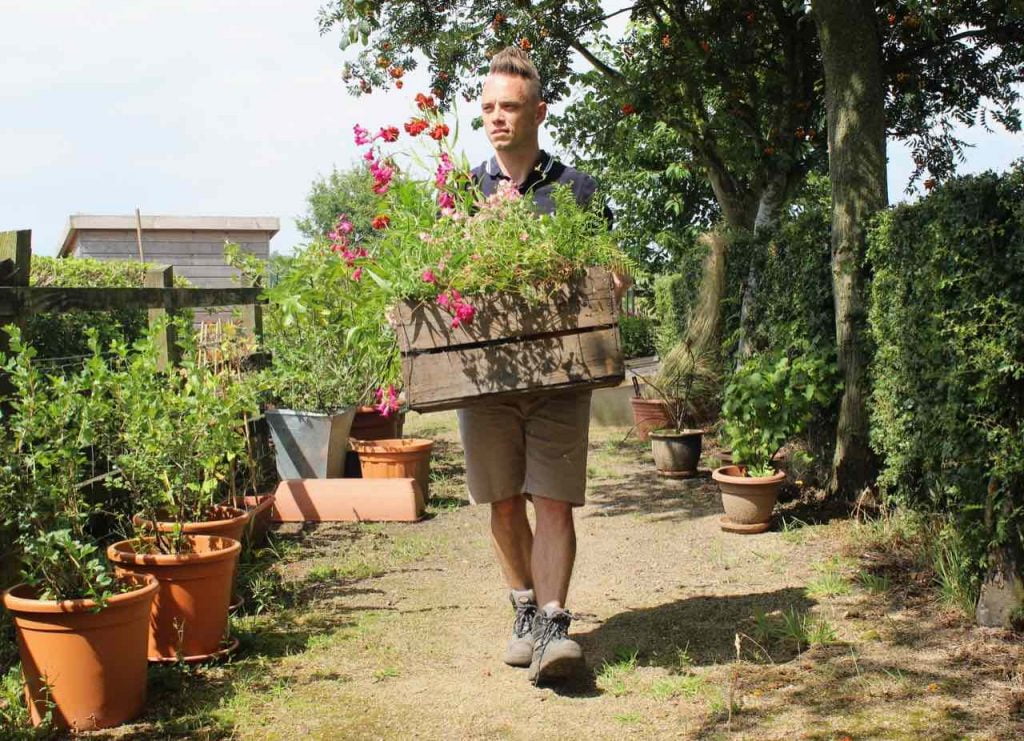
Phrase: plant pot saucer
(743, 529)
(217, 655)
(679, 474)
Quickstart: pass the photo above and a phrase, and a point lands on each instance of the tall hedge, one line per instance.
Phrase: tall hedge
(947, 316)
(62, 336)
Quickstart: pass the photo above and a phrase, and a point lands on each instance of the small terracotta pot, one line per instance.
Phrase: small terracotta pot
(396, 459)
(369, 424)
(676, 452)
(90, 664)
(748, 500)
(648, 415)
(190, 613)
(259, 508)
(226, 521)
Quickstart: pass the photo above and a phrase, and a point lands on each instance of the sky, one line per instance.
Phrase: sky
(225, 108)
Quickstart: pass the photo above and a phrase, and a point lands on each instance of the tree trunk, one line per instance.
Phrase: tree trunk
(855, 105)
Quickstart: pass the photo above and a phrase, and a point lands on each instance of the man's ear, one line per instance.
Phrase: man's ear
(542, 111)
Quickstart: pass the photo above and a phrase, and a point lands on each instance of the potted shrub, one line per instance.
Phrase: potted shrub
(683, 385)
(768, 401)
(179, 434)
(81, 631)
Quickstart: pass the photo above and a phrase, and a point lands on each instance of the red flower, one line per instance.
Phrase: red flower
(396, 72)
(930, 183)
(425, 102)
(399, 84)
(381, 221)
(416, 126)
(439, 131)
(357, 274)
(524, 44)
(389, 133)
(628, 109)
(705, 47)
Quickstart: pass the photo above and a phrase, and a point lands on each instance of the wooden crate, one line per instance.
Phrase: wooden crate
(570, 341)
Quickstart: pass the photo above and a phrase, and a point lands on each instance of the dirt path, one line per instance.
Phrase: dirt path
(396, 631)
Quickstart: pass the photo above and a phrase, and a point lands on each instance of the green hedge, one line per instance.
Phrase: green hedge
(674, 297)
(637, 333)
(63, 335)
(947, 316)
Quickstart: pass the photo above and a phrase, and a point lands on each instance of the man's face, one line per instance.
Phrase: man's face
(511, 113)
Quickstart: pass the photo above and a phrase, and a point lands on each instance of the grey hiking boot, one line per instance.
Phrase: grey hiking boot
(555, 655)
(520, 646)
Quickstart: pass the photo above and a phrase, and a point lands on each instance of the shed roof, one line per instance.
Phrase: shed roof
(82, 222)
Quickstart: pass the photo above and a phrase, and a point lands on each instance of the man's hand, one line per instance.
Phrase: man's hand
(620, 284)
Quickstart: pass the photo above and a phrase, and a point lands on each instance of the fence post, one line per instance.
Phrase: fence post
(252, 318)
(167, 341)
(15, 266)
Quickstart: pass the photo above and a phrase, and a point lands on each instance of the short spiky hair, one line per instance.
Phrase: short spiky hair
(515, 62)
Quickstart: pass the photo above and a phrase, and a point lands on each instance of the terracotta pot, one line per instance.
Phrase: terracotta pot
(396, 459)
(91, 665)
(259, 508)
(676, 452)
(226, 521)
(748, 500)
(648, 415)
(369, 424)
(195, 589)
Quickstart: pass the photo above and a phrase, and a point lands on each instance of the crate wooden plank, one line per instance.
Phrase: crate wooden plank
(585, 304)
(463, 376)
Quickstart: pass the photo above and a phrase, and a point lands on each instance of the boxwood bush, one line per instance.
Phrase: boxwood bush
(947, 316)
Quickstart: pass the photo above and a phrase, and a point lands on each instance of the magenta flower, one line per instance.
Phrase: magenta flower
(387, 401)
(362, 135)
(446, 200)
(464, 313)
(428, 276)
(446, 166)
(344, 225)
(369, 156)
(357, 274)
(442, 300)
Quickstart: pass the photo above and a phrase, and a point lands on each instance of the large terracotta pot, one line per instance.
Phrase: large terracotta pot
(676, 452)
(259, 507)
(190, 613)
(369, 424)
(90, 664)
(748, 500)
(648, 415)
(396, 459)
(225, 521)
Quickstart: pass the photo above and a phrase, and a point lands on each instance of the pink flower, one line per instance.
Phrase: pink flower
(344, 225)
(524, 237)
(357, 274)
(446, 166)
(428, 276)
(446, 200)
(387, 401)
(464, 313)
(362, 135)
(442, 300)
(369, 156)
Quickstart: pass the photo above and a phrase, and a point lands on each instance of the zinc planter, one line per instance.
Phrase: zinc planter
(310, 445)
(90, 665)
(748, 500)
(190, 612)
(676, 452)
(648, 415)
(408, 458)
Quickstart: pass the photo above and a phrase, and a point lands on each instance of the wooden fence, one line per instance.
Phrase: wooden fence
(18, 299)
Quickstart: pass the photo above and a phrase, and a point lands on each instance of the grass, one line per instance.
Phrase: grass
(614, 676)
(686, 685)
(874, 583)
(830, 581)
(793, 627)
(794, 530)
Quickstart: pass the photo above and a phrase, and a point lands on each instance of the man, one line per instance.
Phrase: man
(534, 447)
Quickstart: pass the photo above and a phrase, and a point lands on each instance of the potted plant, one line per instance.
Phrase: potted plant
(330, 347)
(683, 385)
(768, 401)
(81, 631)
(179, 434)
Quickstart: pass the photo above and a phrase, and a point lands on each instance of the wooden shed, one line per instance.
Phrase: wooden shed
(193, 245)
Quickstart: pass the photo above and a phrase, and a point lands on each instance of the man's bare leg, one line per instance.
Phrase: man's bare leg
(554, 551)
(513, 541)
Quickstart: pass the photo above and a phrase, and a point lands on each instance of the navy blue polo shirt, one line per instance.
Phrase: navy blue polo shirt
(546, 174)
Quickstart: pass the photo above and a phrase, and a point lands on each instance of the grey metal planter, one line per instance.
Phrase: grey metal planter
(310, 445)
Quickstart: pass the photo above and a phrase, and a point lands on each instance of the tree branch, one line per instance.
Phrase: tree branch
(908, 55)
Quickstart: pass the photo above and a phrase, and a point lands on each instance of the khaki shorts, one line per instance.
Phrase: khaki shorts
(530, 445)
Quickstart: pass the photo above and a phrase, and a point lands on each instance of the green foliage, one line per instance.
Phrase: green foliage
(177, 436)
(770, 399)
(688, 382)
(637, 332)
(342, 192)
(674, 297)
(48, 430)
(947, 316)
(63, 335)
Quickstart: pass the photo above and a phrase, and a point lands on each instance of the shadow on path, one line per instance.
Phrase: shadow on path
(672, 500)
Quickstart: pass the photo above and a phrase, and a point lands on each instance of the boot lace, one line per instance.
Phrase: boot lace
(552, 629)
(524, 620)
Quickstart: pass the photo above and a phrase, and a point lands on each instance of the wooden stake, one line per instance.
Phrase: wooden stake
(138, 233)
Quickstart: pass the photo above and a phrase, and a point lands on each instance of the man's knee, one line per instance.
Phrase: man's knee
(553, 511)
(508, 510)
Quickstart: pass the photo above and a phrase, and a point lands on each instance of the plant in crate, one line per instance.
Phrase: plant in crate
(686, 385)
(179, 438)
(81, 630)
(488, 296)
(768, 401)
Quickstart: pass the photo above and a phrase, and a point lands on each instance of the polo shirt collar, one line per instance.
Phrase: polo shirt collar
(544, 164)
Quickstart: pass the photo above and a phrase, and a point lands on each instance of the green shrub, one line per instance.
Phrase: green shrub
(674, 297)
(947, 316)
(63, 335)
(637, 334)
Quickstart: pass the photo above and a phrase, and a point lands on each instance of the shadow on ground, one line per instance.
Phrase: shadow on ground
(664, 499)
